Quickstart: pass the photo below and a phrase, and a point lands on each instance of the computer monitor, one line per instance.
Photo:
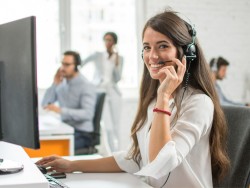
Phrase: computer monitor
(18, 83)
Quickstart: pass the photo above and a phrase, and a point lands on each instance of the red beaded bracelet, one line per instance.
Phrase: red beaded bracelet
(162, 111)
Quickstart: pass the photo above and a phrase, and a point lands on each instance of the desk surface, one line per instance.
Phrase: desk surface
(52, 125)
(103, 180)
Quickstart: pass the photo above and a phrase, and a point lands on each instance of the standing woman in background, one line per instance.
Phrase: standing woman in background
(179, 132)
(108, 71)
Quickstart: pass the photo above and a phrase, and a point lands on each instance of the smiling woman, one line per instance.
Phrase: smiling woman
(166, 37)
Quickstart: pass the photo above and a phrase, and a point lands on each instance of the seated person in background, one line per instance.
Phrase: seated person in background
(76, 98)
(219, 70)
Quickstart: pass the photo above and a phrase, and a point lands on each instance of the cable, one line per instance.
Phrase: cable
(185, 88)
(187, 75)
(166, 180)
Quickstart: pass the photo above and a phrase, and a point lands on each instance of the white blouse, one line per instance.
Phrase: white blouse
(106, 72)
(186, 158)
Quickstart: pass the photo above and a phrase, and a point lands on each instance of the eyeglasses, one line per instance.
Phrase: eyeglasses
(65, 64)
(108, 40)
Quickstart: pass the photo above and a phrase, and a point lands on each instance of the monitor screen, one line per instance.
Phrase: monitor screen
(18, 83)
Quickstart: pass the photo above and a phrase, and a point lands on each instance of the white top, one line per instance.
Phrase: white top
(107, 74)
(187, 156)
(109, 66)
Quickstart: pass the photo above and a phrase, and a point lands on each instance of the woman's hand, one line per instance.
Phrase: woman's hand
(56, 163)
(170, 79)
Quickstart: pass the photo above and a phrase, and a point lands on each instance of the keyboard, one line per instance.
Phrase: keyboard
(53, 183)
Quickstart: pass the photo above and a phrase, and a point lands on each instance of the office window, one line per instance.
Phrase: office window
(48, 37)
(90, 19)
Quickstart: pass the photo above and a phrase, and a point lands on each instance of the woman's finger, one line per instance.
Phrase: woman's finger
(172, 70)
(51, 164)
(46, 159)
(167, 73)
(164, 73)
(184, 66)
(181, 66)
(51, 169)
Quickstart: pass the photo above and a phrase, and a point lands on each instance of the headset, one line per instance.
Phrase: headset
(214, 66)
(78, 61)
(190, 53)
(190, 49)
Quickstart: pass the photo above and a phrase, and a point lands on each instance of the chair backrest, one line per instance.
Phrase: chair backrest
(97, 118)
(238, 120)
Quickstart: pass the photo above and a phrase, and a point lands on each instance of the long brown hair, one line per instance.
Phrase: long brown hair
(175, 28)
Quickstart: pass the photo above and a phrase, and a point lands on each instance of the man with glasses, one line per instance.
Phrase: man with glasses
(76, 97)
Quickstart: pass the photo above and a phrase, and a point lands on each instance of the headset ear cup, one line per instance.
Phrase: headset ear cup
(190, 49)
(190, 52)
(214, 67)
(76, 66)
(78, 62)
(142, 55)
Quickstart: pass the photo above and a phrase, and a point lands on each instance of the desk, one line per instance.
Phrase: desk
(56, 137)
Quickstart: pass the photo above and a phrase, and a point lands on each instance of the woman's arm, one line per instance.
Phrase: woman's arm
(160, 129)
(90, 58)
(59, 164)
(107, 164)
(193, 124)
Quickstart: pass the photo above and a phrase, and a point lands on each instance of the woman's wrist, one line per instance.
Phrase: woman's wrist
(74, 166)
(162, 104)
(162, 101)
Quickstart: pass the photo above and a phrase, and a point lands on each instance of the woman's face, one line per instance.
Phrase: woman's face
(157, 47)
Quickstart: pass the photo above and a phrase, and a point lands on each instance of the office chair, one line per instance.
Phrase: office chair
(95, 135)
(238, 145)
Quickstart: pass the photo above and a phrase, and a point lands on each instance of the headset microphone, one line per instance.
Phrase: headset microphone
(163, 62)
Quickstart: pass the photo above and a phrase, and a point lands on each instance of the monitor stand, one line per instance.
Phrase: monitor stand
(9, 166)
